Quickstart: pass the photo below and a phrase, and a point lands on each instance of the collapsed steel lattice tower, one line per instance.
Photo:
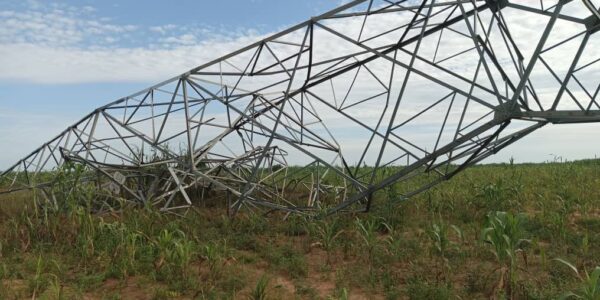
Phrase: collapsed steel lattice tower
(322, 115)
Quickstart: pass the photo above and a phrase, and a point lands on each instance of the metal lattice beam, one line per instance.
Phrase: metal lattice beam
(324, 114)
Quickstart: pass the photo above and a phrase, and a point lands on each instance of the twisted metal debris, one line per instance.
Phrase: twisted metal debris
(326, 113)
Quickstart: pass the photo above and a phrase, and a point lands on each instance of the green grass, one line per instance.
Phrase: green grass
(493, 231)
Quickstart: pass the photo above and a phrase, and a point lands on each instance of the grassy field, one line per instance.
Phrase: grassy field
(497, 231)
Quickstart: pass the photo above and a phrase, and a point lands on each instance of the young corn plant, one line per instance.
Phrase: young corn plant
(214, 254)
(367, 230)
(344, 294)
(542, 253)
(86, 235)
(585, 245)
(38, 282)
(339, 295)
(123, 245)
(164, 243)
(4, 272)
(590, 283)
(131, 245)
(504, 232)
(184, 252)
(261, 290)
(175, 253)
(441, 242)
(211, 255)
(55, 290)
(327, 233)
(396, 245)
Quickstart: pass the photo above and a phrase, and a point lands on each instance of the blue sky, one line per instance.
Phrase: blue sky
(40, 96)
(61, 59)
(131, 25)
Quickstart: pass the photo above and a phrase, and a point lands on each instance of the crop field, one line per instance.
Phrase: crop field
(504, 231)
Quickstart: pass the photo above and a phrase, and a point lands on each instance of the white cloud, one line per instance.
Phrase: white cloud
(61, 65)
(56, 26)
(60, 44)
(184, 39)
(163, 29)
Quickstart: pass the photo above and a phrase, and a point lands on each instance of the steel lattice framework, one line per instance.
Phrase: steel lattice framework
(324, 114)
